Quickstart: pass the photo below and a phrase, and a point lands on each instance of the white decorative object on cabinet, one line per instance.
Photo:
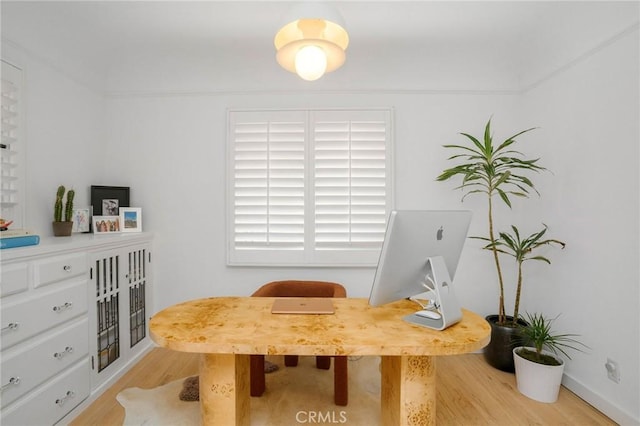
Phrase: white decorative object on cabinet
(50, 311)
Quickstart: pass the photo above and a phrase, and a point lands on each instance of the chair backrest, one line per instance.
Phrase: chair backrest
(299, 288)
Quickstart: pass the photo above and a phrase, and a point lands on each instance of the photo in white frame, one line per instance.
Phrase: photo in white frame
(81, 220)
(106, 224)
(131, 219)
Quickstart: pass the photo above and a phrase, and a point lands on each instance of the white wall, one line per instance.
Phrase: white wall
(589, 133)
(64, 136)
(172, 151)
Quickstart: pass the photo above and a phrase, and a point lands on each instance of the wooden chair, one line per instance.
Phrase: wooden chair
(293, 288)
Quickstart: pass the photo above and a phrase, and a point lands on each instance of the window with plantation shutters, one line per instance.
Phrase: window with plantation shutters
(268, 181)
(308, 187)
(12, 147)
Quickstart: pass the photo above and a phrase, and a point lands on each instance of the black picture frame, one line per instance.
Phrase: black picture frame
(100, 194)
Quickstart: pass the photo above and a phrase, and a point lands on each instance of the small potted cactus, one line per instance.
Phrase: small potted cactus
(62, 228)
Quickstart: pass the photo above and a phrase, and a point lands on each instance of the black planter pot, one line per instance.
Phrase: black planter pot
(499, 352)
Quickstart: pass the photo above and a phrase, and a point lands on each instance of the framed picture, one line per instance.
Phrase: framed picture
(131, 219)
(107, 200)
(106, 224)
(81, 220)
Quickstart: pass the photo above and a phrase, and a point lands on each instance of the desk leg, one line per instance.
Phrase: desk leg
(408, 394)
(224, 390)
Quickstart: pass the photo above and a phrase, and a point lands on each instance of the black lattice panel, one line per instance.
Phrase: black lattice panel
(108, 324)
(137, 290)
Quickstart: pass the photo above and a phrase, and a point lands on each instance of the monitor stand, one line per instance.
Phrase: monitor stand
(443, 298)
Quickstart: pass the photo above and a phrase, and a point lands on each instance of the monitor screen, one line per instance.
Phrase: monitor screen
(412, 237)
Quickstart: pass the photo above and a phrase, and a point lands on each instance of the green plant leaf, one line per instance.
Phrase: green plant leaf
(542, 258)
(504, 197)
(488, 148)
(503, 177)
(475, 141)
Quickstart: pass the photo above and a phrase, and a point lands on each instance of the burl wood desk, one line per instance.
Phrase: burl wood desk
(227, 330)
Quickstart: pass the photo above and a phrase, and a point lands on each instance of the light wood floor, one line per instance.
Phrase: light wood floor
(470, 392)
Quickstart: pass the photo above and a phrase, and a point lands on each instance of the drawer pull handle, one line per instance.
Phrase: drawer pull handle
(11, 326)
(67, 268)
(60, 355)
(61, 401)
(12, 381)
(64, 307)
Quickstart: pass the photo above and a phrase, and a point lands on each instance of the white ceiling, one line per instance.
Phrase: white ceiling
(98, 34)
(106, 24)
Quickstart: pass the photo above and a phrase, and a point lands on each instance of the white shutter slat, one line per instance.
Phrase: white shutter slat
(350, 185)
(268, 193)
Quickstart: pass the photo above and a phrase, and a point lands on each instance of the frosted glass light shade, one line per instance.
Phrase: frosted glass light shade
(317, 26)
(311, 62)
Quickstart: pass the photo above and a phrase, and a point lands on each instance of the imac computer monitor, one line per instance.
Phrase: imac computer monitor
(412, 238)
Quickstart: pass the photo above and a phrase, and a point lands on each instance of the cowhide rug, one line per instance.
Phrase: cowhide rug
(294, 395)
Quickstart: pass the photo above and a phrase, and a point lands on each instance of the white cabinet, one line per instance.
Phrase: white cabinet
(53, 269)
(44, 337)
(43, 358)
(15, 278)
(25, 317)
(120, 286)
(52, 401)
(73, 316)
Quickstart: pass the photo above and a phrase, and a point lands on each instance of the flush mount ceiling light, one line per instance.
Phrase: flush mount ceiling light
(313, 40)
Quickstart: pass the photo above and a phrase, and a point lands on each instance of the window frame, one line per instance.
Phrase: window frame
(309, 256)
(13, 192)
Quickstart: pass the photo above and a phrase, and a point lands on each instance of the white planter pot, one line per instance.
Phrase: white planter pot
(537, 381)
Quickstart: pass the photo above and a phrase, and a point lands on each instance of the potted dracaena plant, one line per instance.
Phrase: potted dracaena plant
(538, 365)
(522, 250)
(496, 172)
(62, 228)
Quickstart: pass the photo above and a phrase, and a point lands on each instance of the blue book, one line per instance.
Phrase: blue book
(20, 241)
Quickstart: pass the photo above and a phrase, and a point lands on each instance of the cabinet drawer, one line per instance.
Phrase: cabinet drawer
(51, 402)
(14, 278)
(59, 268)
(27, 366)
(28, 317)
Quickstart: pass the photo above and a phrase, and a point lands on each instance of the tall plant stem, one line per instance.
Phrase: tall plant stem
(518, 290)
(501, 312)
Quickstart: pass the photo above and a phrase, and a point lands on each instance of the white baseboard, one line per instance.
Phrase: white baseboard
(606, 407)
(97, 392)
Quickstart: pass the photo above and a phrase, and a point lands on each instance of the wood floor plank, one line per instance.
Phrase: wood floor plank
(470, 392)
(158, 367)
